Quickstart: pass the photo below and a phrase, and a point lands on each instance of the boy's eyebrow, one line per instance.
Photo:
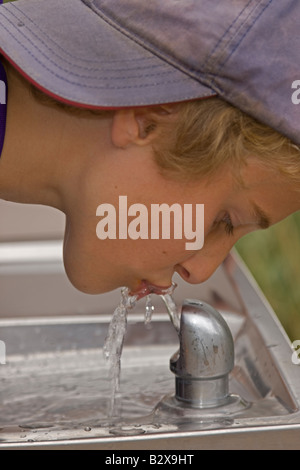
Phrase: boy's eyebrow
(263, 220)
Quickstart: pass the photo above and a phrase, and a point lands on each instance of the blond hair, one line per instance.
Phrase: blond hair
(211, 133)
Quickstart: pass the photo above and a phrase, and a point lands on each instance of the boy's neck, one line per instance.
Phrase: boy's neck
(43, 151)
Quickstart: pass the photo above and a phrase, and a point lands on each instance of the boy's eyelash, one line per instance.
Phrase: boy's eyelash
(228, 225)
(226, 220)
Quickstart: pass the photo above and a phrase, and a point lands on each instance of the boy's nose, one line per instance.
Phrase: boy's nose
(203, 264)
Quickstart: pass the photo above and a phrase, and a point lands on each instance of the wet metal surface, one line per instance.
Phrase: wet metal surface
(54, 390)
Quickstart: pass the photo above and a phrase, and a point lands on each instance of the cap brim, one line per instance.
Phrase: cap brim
(71, 53)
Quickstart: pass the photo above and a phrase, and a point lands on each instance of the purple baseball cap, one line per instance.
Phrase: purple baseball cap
(119, 53)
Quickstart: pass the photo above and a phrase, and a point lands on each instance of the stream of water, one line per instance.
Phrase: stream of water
(114, 341)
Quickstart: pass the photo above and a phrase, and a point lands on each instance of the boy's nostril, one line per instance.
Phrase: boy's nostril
(183, 272)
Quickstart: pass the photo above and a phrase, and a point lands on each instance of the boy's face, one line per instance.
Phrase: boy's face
(77, 162)
(230, 211)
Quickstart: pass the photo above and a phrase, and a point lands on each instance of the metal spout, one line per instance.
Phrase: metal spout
(205, 357)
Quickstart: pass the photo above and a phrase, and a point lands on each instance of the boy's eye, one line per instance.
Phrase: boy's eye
(227, 222)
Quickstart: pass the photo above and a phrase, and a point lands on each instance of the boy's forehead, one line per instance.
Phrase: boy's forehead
(107, 53)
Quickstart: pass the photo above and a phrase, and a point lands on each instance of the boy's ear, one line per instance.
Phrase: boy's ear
(138, 125)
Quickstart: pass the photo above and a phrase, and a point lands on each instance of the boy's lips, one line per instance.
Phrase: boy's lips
(145, 288)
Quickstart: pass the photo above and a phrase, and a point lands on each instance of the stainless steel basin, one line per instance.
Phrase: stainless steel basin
(54, 392)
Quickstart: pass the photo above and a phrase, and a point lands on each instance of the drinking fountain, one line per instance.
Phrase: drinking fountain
(205, 358)
(230, 383)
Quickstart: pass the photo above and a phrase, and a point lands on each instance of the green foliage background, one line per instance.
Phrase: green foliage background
(273, 257)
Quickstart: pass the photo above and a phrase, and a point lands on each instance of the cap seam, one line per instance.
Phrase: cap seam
(82, 85)
(127, 87)
(215, 56)
(57, 55)
(13, 5)
(207, 69)
(159, 74)
(148, 46)
(59, 67)
(90, 104)
(246, 32)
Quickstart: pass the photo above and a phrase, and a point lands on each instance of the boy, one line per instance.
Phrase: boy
(162, 102)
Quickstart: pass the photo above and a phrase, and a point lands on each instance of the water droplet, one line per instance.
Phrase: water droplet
(149, 309)
(87, 429)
